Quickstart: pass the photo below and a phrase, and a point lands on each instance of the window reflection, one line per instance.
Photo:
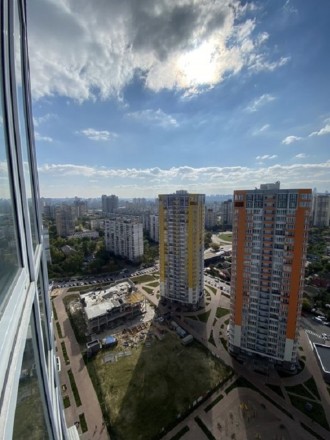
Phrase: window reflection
(22, 128)
(43, 315)
(29, 420)
(9, 261)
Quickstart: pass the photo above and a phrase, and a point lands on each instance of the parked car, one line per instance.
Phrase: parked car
(58, 363)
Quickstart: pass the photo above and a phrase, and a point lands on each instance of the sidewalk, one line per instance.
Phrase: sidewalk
(90, 406)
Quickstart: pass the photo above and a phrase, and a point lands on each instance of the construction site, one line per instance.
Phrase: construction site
(111, 307)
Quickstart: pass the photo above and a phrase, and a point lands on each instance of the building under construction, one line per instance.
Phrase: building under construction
(111, 307)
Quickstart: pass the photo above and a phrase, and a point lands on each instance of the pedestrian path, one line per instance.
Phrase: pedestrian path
(90, 406)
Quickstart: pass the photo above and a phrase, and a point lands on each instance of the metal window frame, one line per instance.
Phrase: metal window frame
(22, 302)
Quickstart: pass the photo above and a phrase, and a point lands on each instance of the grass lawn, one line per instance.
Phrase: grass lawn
(213, 289)
(276, 389)
(154, 284)
(300, 390)
(143, 279)
(204, 316)
(311, 385)
(142, 393)
(226, 237)
(221, 311)
(148, 289)
(317, 412)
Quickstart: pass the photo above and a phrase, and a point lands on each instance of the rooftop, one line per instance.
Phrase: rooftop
(101, 302)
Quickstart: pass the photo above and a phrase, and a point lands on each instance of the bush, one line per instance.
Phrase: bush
(74, 388)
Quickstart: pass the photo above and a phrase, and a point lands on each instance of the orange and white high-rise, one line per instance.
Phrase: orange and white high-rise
(270, 232)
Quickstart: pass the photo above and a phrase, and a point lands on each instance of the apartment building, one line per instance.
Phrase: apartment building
(124, 237)
(64, 220)
(211, 218)
(109, 204)
(270, 229)
(181, 247)
(227, 213)
(31, 398)
(321, 210)
(154, 227)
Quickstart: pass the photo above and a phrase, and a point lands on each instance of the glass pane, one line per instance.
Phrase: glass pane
(43, 316)
(22, 128)
(29, 420)
(9, 261)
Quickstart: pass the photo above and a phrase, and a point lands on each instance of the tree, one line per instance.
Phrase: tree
(215, 247)
(207, 239)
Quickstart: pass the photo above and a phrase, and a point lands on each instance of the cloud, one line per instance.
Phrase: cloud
(149, 182)
(97, 135)
(157, 117)
(260, 130)
(267, 157)
(186, 46)
(257, 103)
(323, 131)
(301, 156)
(39, 137)
(37, 120)
(290, 139)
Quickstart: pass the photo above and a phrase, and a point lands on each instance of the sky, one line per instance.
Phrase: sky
(138, 98)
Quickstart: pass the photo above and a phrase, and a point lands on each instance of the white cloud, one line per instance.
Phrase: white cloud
(290, 139)
(301, 156)
(259, 102)
(39, 137)
(37, 120)
(323, 131)
(97, 135)
(149, 182)
(187, 46)
(260, 130)
(267, 157)
(157, 117)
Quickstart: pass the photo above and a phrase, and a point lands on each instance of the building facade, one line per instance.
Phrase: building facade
(211, 218)
(124, 237)
(64, 220)
(270, 231)
(154, 227)
(109, 204)
(181, 247)
(31, 402)
(321, 210)
(227, 213)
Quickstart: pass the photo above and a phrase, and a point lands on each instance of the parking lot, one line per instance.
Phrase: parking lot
(98, 279)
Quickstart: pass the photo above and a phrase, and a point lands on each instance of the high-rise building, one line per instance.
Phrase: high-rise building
(211, 218)
(321, 210)
(109, 204)
(181, 247)
(227, 213)
(270, 229)
(80, 208)
(64, 220)
(154, 227)
(31, 402)
(124, 237)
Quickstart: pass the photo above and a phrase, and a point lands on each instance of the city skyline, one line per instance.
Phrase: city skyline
(142, 99)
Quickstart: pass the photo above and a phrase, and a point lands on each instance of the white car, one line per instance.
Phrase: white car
(58, 363)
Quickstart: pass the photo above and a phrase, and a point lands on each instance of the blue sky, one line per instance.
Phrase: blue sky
(137, 98)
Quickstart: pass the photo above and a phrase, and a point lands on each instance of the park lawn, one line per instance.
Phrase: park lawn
(144, 392)
(226, 237)
(221, 311)
(143, 279)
